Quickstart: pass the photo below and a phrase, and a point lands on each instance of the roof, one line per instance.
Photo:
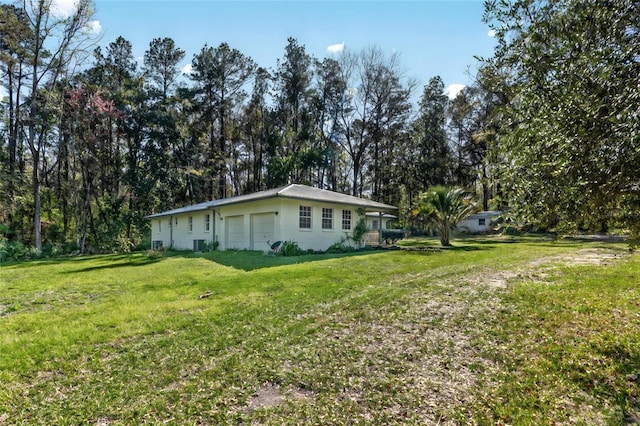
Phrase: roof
(384, 215)
(484, 214)
(294, 191)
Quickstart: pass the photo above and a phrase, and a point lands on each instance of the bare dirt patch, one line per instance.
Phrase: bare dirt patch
(589, 256)
(593, 257)
(271, 395)
(541, 269)
(268, 395)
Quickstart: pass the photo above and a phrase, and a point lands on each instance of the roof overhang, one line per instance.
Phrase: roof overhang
(293, 191)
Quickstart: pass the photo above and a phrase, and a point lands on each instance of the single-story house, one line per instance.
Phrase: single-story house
(314, 218)
(479, 223)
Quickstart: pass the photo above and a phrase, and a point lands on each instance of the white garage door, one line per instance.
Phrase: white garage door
(234, 232)
(262, 230)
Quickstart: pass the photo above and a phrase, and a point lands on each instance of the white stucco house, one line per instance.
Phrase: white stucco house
(314, 218)
(478, 223)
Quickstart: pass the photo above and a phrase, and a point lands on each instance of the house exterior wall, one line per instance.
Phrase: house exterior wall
(316, 237)
(286, 225)
(478, 223)
(244, 212)
(190, 227)
(176, 233)
(160, 233)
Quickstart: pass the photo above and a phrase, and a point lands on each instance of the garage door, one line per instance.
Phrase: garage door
(262, 230)
(234, 232)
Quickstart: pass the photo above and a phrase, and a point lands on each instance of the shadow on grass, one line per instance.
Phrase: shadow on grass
(128, 262)
(253, 260)
(70, 259)
(238, 259)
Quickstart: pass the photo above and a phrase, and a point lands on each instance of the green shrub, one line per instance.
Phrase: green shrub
(290, 248)
(155, 254)
(340, 247)
(10, 250)
(210, 246)
(360, 229)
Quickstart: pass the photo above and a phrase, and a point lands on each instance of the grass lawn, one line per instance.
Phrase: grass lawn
(499, 330)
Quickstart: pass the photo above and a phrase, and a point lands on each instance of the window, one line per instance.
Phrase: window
(327, 218)
(207, 223)
(481, 222)
(305, 217)
(160, 225)
(157, 244)
(346, 219)
(190, 223)
(176, 221)
(374, 224)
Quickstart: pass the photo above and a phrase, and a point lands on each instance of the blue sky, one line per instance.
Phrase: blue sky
(433, 37)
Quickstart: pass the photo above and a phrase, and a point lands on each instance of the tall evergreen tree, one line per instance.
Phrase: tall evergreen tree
(16, 36)
(433, 155)
(161, 165)
(296, 150)
(257, 131)
(220, 76)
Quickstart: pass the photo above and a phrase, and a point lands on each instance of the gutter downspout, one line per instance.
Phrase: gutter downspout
(171, 231)
(213, 227)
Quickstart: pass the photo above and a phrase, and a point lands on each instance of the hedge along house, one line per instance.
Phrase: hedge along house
(314, 218)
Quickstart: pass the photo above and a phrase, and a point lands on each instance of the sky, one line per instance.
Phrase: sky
(432, 37)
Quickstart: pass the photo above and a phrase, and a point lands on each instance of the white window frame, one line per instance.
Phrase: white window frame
(346, 220)
(207, 222)
(305, 217)
(327, 218)
(190, 223)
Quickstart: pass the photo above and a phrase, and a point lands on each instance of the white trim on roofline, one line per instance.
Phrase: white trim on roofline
(292, 191)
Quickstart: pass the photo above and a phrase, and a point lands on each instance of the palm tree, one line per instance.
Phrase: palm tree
(443, 208)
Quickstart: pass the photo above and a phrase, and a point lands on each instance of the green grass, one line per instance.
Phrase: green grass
(494, 330)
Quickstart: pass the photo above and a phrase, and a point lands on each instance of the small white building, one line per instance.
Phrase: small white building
(314, 218)
(478, 223)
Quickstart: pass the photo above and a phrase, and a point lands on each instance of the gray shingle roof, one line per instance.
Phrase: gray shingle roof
(301, 192)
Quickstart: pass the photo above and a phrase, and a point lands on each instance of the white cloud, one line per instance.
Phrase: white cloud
(187, 69)
(93, 27)
(491, 33)
(63, 8)
(336, 48)
(453, 89)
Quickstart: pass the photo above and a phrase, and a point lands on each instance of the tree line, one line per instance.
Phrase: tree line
(91, 144)
(91, 140)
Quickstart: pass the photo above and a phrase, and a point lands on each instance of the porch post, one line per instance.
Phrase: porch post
(380, 228)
